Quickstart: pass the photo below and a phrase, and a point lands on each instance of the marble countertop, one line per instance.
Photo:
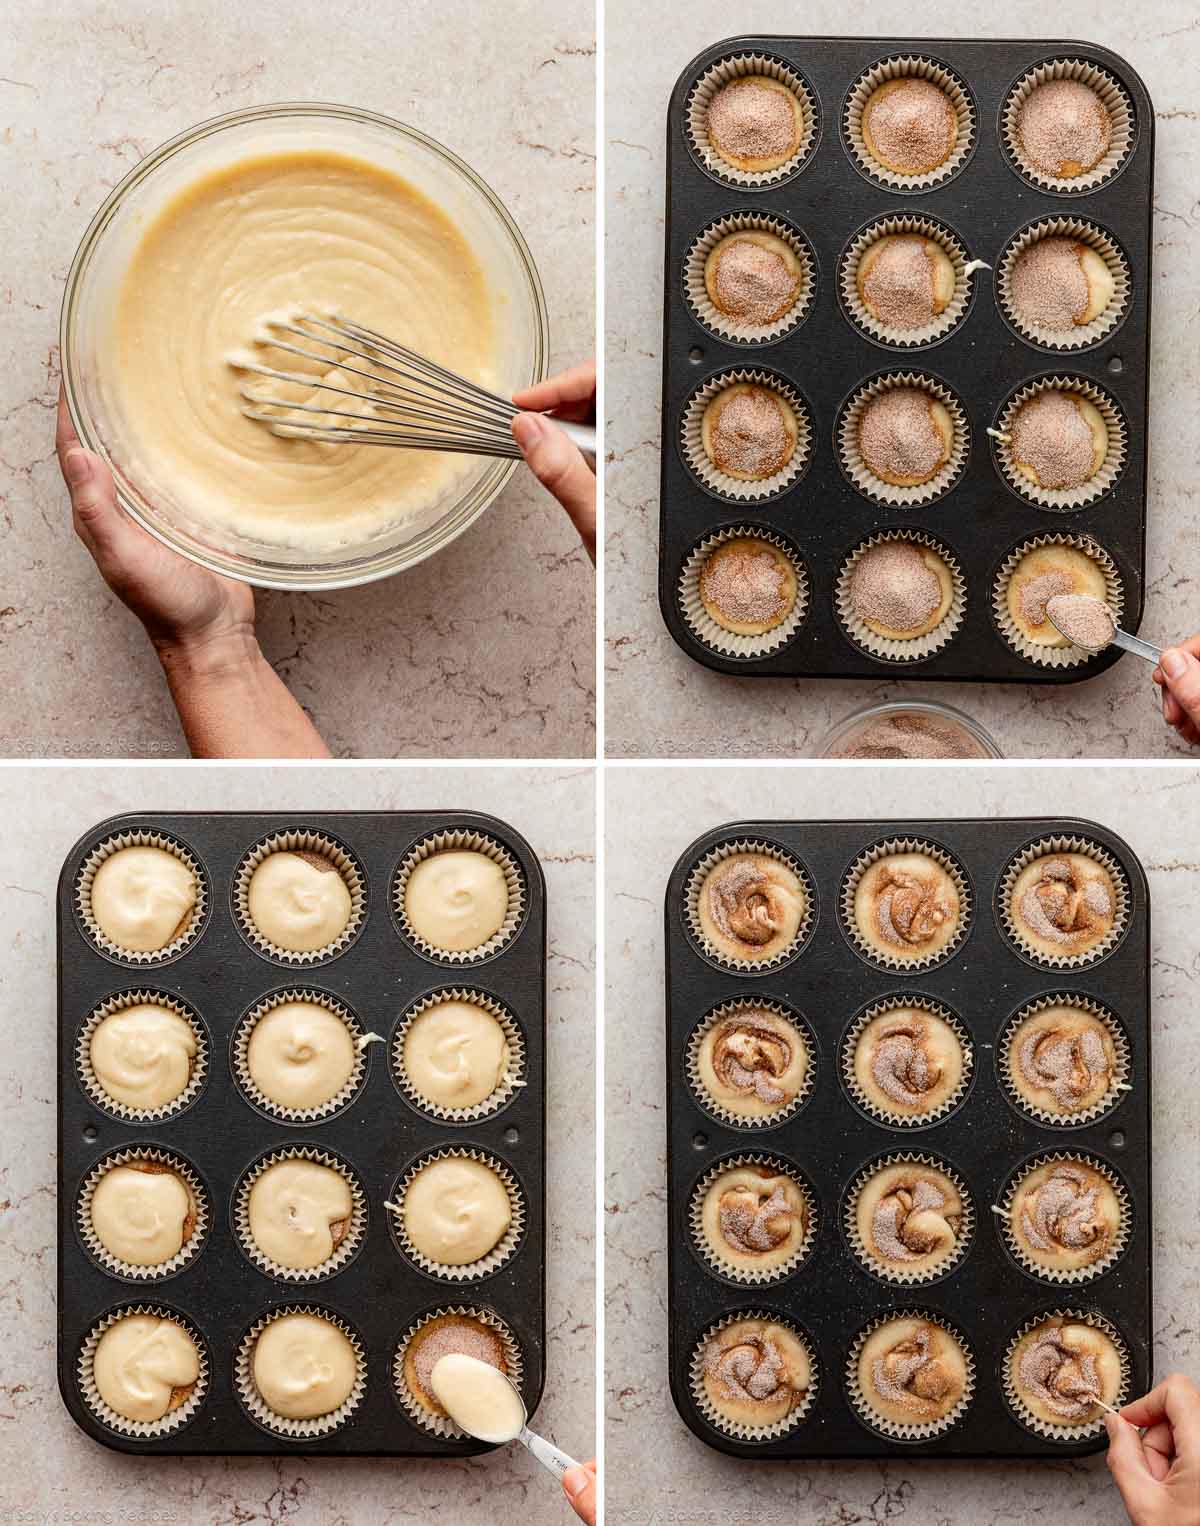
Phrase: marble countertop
(488, 649)
(660, 702)
(52, 1473)
(654, 1463)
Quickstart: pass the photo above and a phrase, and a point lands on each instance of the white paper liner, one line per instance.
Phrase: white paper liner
(301, 840)
(902, 845)
(909, 67)
(442, 1425)
(720, 483)
(240, 1055)
(898, 1004)
(944, 322)
(1005, 1060)
(903, 1274)
(1024, 1259)
(1048, 847)
(861, 475)
(893, 648)
(702, 624)
(140, 1429)
(731, 849)
(1032, 1422)
(129, 1270)
(695, 290)
(1069, 656)
(907, 1431)
(1116, 101)
(456, 841)
(83, 898)
(343, 1252)
(470, 1271)
(738, 66)
(511, 1077)
(1079, 232)
(121, 1001)
(747, 1275)
(718, 1109)
(1063, 500)
(256, 1405)
(738, 1428)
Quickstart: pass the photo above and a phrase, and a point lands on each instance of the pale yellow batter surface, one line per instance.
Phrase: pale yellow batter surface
(269, 235)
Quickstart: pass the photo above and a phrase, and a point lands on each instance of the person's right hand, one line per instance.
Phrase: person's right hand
(1178, 675)
(579, 1485)
(557, 464)
(1158, 1473)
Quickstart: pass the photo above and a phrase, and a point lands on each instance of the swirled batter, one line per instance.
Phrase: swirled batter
(277, 233)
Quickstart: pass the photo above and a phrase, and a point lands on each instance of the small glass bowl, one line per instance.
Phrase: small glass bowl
(103, 258)
(851, 726)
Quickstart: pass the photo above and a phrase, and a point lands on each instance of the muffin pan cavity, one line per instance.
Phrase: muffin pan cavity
(976, 352)
(223, 1135)
(834, 1140)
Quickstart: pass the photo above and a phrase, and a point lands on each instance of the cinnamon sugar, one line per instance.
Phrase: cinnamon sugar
(1067, 1065)
(897, 436)
(752, 283)
(746, 584)
(1063, 1213)
(454, 1336)
(1047, 285)
(1035, 593)
(1051, 435)
(901, 1065)
(750, 120)
(893, 1233)
(1063, 1380)
(749, 435)
(898, 286)
(893, 586)
(1064, 128)
(913, 126)
(911, 736)
(1086, 621)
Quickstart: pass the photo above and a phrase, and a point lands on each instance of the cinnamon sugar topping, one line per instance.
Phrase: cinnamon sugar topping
(1050, 434)
(897, 435)
(901, 1065)
(913, 125)
(749, 120)
(910, 1375)
(1062, 1378)
(1064, 128)
(753, 1224)
(899, 284)
(1048, 285)
(893, 586)
(908, 1224)
(750, 435)
(1063, 1214)
(749, 1055)
(746, 584)
(753, 284)
(1068, 1065)
(1036, 592)
(910, 908)
(754, 1370)
(748, 902)
(1067, 906)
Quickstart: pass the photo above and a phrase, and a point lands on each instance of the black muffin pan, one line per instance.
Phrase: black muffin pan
(826, 358)
(830, 1297)
(379, 1293)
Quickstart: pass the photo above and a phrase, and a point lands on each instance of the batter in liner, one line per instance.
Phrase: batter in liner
(268, 236)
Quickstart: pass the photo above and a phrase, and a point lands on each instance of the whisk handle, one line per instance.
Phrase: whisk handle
(583, 435)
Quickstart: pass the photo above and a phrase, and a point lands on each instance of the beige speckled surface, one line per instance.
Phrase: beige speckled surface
(652, 1459)
(658, 700)
(487, 650)
(51, 1470)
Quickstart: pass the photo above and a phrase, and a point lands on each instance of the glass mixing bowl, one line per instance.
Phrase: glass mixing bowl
(851, 727)
(95, 278)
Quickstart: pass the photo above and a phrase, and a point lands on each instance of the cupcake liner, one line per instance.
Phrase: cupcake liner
(1121, 1060)
(898, 1430)
(1062, 500)
(903, 1275)
(691, 900)
(945, 321)
(343, 1253)
(900, 845)
(890, 648)
(301, 840)
(121, 1002)
(737, 66)
(733, 489)
(706, 629)
(1120, 111)
(860, 475)
(1079, 232)
(240, 1054)
(1065, 1277)
(511, 1079)
(1048, 847)
(83, 898)
(719, 1110)
(741, 1274)
(128, 1270)
(908, 67)
(442, 1425)
(470, 1271)
(257, 1407)
(711, 317)
(140, 1429)
(740, 1429)
(476, 842)
(904, 1003)
(1053, 656)
(1032, 1422)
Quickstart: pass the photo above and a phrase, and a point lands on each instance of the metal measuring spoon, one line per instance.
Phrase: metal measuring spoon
(546, 1452)
(1123, 639)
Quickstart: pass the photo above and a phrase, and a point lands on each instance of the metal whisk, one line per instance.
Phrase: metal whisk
(412, 402)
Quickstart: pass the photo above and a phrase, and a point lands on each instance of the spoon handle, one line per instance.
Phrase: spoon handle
(546, 1453)
(1135, 644)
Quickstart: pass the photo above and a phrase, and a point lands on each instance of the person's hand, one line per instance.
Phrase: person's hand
(579, 1485)
(557, 464)
(1158, 1473)
(1178, 675)
(181, 604)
